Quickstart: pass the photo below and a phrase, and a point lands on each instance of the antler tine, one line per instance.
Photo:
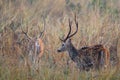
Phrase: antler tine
(76, 23)
(25, 33)
(70, 24)
(61, 39)
(43, 30)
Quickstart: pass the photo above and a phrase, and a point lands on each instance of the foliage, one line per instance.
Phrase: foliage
(98, 24)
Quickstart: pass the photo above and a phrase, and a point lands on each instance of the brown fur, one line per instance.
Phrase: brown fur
(95, 53)
(41, 47)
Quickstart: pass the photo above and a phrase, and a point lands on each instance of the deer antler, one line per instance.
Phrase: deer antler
(70, 24)
(25, 33)
(76, 23)
(41, 33)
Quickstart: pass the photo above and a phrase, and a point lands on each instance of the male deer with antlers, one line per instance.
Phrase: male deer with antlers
(94, 57)
(35, 46)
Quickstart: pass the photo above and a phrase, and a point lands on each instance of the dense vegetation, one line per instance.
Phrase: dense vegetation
(99, 23)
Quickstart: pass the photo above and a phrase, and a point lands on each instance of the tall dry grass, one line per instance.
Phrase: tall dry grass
(98, 24)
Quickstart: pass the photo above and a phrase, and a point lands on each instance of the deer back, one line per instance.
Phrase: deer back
(98, 55)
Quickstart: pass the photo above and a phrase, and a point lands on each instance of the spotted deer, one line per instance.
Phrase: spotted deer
(35, 47)
(86, 58)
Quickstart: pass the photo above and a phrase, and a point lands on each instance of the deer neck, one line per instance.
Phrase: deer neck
(72, 52)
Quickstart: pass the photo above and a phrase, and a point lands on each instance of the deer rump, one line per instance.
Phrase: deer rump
(91, 57)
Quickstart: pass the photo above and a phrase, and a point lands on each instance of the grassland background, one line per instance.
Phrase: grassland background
(99, 23)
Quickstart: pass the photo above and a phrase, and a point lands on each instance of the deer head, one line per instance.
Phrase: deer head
(66, 43)
(35, 44)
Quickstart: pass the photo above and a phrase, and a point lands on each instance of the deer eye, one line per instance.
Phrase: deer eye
(63, 44)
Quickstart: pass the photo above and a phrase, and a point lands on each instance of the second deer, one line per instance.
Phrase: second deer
(86, 58)
(35, 47)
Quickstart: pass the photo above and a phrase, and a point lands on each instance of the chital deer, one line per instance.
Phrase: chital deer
(35, 46)
(95, 57)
